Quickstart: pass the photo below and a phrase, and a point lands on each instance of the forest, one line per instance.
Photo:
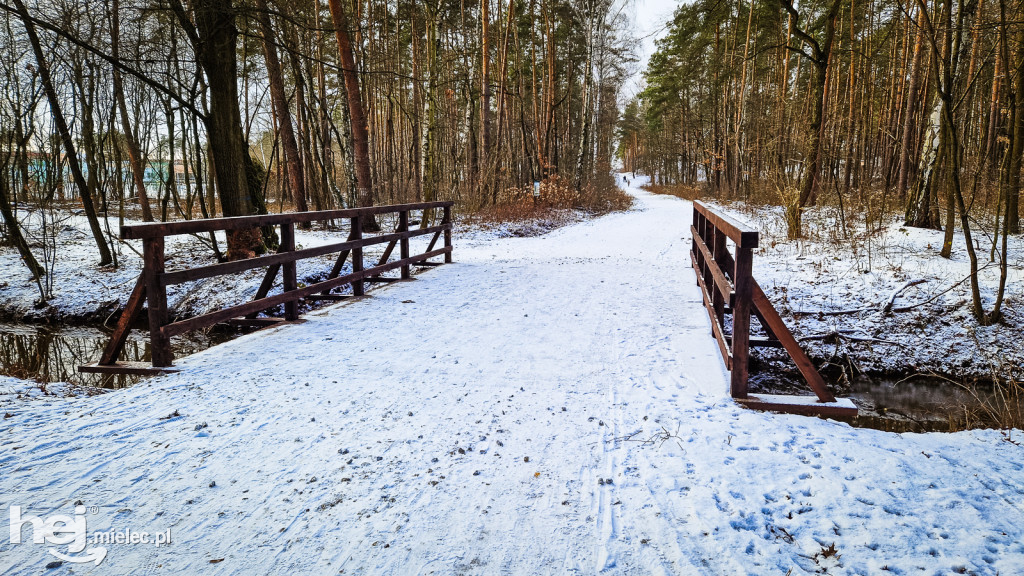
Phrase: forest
(879, 107)
(171, 109)
(512, 286)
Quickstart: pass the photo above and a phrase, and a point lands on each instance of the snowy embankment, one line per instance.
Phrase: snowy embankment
(830, 284)
(545, 405)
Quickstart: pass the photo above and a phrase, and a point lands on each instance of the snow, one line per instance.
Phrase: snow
(801, 401)
(544, 405)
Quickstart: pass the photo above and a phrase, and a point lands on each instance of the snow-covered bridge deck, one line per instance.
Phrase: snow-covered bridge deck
(546, 405)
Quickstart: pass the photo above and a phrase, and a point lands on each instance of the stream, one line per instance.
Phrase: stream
(912, 403)
(53, 354)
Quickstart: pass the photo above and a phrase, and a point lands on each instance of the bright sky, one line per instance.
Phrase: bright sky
(651, 17)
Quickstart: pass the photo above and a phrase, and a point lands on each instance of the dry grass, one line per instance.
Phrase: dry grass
(1000, 405)
(689, 192)
(520, 204)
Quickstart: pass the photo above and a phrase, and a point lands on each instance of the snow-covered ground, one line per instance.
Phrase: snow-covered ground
(545, 405)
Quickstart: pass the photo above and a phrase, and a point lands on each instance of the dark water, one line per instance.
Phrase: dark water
(918, 403)
(914, 404)
(53, 354)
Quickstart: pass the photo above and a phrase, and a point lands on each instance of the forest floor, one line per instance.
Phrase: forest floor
(544, 405)
(832, 290)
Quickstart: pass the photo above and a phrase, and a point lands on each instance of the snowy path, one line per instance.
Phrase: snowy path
(489, 418)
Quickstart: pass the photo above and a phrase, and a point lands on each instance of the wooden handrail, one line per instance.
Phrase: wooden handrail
(743, 235)
(728, 287)
(151, 288)
(154, 229)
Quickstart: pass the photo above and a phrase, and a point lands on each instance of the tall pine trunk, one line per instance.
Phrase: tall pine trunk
(357, 115)
(292, 159)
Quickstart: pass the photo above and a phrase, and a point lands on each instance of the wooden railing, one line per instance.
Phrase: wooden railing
(729, 289)
(151, 287)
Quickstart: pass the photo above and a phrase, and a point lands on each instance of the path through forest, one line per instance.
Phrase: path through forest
(545, 405)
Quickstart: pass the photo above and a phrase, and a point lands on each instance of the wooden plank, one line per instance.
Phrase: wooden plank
(741, 322)
(382, 279)
(804, 405)
(403, 226)
(288, 271)
(212, 318)
(358, 288)
(760, 342)
(433, 241)
(157, 229)
(283, 257)
(744, 236)
(778, 327)
(124, 324)
(340, 262)
(128, 368)
(335, 297)
(764, 324)
(701, 283)
(254, 322)
(718, 251)
(447, 222)
(722, 283)
(716, 329)
(391, 245)
(156, 296)
(428, 264)
(723, 348)
(266, 285)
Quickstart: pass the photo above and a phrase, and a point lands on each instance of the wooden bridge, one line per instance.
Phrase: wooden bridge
(727, 286)
(729, 289)
(151, 287)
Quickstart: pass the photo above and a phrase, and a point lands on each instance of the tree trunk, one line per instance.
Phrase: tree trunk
(921, 209)
(214, 41)
(1016, 129)
(485, 96)
(357, 115)
(13, 230)
(909, 123)
(134, 150)
(821, 56)
(585, 106)
(292, 160)
(65, 135)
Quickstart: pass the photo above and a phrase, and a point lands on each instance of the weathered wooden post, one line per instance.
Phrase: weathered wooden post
(721, 256)
(741, 319)
(693, 244)
(447, 221)
(156, 296)
(357, 255)
(403, 228)
(291, 307)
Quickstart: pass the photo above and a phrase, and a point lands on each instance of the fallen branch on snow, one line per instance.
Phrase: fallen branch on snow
(892, 299)
(933, 298)
(887, 309)
(836, 334)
